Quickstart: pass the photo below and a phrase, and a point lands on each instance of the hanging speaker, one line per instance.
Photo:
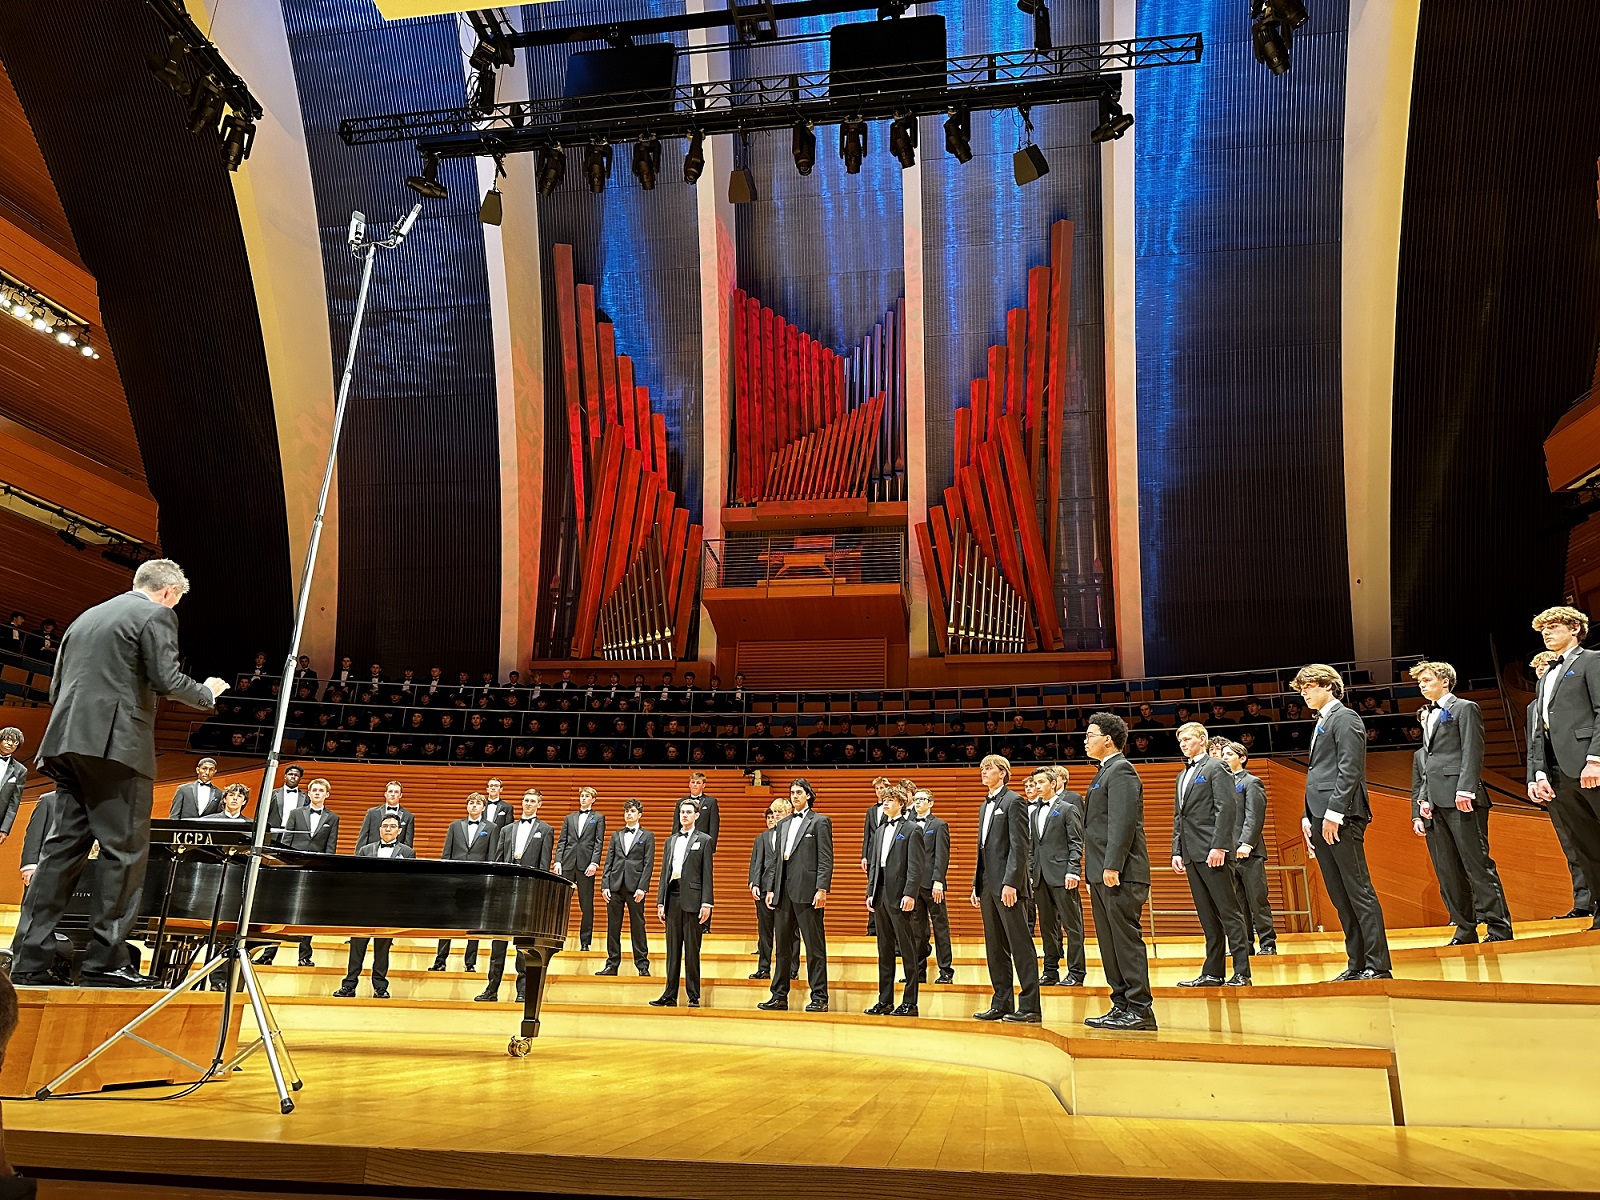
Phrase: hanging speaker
(741, 186)
(1029, 164)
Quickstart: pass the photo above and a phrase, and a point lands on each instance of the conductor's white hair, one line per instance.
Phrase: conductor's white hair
(160, 573)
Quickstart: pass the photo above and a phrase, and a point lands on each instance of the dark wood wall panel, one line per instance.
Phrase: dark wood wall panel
(44, 577)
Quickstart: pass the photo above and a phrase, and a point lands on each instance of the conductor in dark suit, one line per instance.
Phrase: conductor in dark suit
(625, 881)
(391, 807)
(1000, 890)
(388, 845)
(13, 775)
(897, 862)
(683, 900)
(933, 914)
(1250, 855)
(801, 880)
(1057, 827)
(1117, 867)
(1336, 818)
(115, 661)
(199, 797)
(527, 842)
(1564, 757)
(1583, 902)
(470, 839)
(583, 841)
(1205, 826)
(1450, 807)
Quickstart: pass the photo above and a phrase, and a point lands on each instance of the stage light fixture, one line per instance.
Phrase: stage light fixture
(1271, 34)
(1041, 21)
(647, 162)
(169, 70)
(597, 165)
(903, 140)
(69, 535)
(427, 184)
(1113, 122)
(694, 158)
(238, 136)
(804, 147)
(552, 168)
(128, 555)
(205, 104)
(741, 186)
(958, 135)
(852, 144)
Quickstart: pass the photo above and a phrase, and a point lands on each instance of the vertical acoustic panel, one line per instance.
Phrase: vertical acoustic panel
(825, 250)
(1241, 487)
(153, 215)
(419, 467)
(640, 251)
(1498, 317)
(981, 233)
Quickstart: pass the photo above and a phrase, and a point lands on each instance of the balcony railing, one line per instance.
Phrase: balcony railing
(806, 560)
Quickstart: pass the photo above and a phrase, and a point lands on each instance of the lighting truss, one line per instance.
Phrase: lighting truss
(998, 80)
(33, 308)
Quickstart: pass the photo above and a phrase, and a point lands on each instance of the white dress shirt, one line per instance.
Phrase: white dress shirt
(791, 837)
(679, 851)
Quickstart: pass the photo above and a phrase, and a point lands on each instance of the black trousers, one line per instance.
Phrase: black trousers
(304, 943)
(380, 962)
(619, 903)
(1469, 883)
(897, 939)
(104, 801)
(1061, 910)
(1582, 894)
(683, 948)
(764, 920)
(1008, 945)
(1344, 871)
(469, 959)
(1580, 806)
(1118, 913)
(1217, 904)
(935, 919)
(586, 906)
(1250, 880)
(792, 923)
(497, 965)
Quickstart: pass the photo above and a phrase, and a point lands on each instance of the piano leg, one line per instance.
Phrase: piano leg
(535, 961)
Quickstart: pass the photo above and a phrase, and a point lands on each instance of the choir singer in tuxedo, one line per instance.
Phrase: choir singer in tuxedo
(1205, 829)
(933, 915)
(528, 842)
(630, 862)
(897, 862)
(470, 839)
(801, 880)
(1000, 891)
(388, 845)
(684, 902)
(583, 840)
(1117, 867)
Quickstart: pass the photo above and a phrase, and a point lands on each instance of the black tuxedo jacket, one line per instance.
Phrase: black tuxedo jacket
(1207, 813)
(1058, 851)
(577, 852)
(936, 836)
(13, 774)
(115, 661)
(870, 825)
(694, 886)
(499, 812)
(763, 857)
(1003, 855)
(275, 813)
(374, 818)
(809, 867)
(459, 847)
(709, 822)
(1113, 824)
(370, 850)
(906, 870)
(39, 825)
(324, 841)
(1252, 795)
(1336, 780)
(186, 803)
(1450, 759)
(1573, 734)
(538, 851)
(629, 871)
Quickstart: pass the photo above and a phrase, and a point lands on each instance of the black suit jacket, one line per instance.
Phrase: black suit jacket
(374, 818)
(1252, 795)
(117, 659)
(1336, 780)
(870, 825)
(538, 851)
(809, 868)
(710, 819)
(13, 774)
(1574, 731)
(936, 835)
(578, 851)
(694, 886)
(1113, 824)
(1058, 852)
(370, 850)
(186, 804)
(457, 846)
(630, 872)
(906, 869)
(39, 826)
(498, 811)
(1450, 760)
(1207, 812)
(275, 813)
(324, 841)
(1004, 855)
(762, 854)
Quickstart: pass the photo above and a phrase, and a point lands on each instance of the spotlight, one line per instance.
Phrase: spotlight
(491, 211)
(170, 69)
(958, 135)
(427, 184)
(1270, 41)
(741, 186)
(1292, 11)
(852, 145)
(87, 350)
(694, 159)
(804, 147)
(69, 535)
(597, 165)
(1113, 122)
(552, 168)
(64, 336)
(205, 104)
(480, 93)
(1041, 22)
(646, 162)
(903, 140)
(238, 139)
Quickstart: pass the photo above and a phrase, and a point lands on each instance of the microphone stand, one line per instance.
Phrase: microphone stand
(233, 951)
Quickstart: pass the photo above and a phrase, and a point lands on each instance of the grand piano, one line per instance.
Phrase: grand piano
(195, 884)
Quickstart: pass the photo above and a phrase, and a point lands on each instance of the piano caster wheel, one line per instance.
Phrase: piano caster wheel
(519, 1047)
(297, 1085)
(287, 1106)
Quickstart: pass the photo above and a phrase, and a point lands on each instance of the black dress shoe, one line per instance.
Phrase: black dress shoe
(991, 1014)
(347, 992)
(774, 1005)
(878, 1009)
(1463, 939)
(606, 971)
(1238, 979)
(1126, 1021)
(1100, 1021)
(694, 1004)
(584, 946)
(1023, 1018)
(1269, 950)
(1573, 915)
(123, 977)
(759, 975)
(1049, 979)
(35, 979)
(794, 974)
(437, 967)
(664, 1002)
(946, 977)
(1072, 981)
(383, 995)
(472, 967)
(1498, 937)
(306, 962)
(1369, 974)
(1202, 981)
(644, 971)
(488, 994)
(817, 1006)
(1346, 975)
(903, 1010)
(264, 958)
(520, 998)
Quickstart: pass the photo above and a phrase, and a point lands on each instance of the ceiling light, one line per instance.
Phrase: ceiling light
(646, 162)
(427, 184)
(87, 350)
(552, 168)
(903, 140)
(69, 535)
(852, 145)
(597, 165)
(958, 135)
(804, 147)
(694, 158)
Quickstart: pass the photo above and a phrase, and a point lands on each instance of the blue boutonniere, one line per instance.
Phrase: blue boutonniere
(1319, 729)
(1092, 786)
(1569, 674)
(1445, 715)
(1239, 787)
(899, 837)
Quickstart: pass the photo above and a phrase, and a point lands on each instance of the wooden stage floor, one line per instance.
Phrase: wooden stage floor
(430, 1114)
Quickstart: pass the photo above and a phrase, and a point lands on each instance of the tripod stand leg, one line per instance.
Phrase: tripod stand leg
(271, 1036)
